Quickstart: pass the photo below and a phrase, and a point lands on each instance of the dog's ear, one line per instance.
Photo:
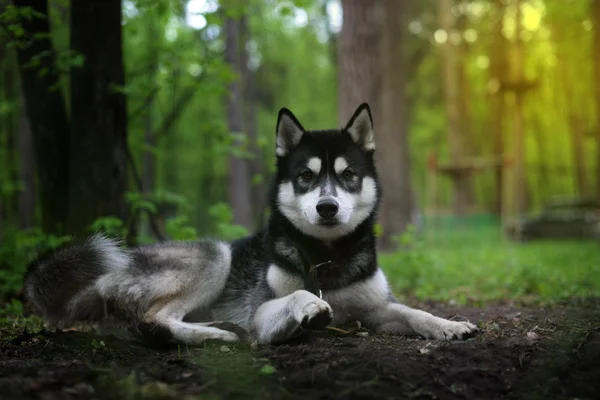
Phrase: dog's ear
(289, 132)
(360, 128)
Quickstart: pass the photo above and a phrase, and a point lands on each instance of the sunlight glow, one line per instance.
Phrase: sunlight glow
(440, 36)
(194, 11)
(335, 14)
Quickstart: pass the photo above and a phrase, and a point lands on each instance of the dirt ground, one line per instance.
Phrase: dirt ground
(522, 353)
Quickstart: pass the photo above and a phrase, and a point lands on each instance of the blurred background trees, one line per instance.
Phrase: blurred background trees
(159, 121)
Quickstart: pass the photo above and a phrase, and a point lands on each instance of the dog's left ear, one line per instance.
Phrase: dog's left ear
(289, 132)
(360, 128)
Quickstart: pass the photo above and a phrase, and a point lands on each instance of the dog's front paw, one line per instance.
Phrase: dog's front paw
(316, 315)
(442, 329)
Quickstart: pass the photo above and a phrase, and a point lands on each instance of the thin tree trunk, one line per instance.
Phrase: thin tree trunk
(596, 52)
(149, 159)
(544, 177)
(257, 171)
(99, 117)
(26, 169)
(450, 65)
(47, 115)
(9, 124)
(498, 69)
(520, 189)
(239, 176)
(469, 141)
(577, 139)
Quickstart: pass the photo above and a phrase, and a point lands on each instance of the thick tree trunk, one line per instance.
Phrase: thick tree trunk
(47, 114)
(596, 52)
(26, 169)
(239, 172)
(372, 69)
(359, 58)
(450, 74)
(393, 158)
(99, 126)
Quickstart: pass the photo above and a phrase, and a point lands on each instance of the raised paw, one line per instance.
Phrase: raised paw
(316, 315)
(442, 329)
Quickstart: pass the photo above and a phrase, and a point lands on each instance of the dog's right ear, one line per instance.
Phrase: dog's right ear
(289, 132)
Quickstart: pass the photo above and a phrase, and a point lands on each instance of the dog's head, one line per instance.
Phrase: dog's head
(326, 183)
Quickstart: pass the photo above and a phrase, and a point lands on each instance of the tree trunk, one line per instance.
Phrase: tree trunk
(372, 68)
(48, 118)
(520, 183)
(398, 206)
(149, 159)
(596, 52)
(26, 169)
(257, 171)
(99, 117)
(9, 124)
(498, 67)
(359, 58)
(239, 175)
(450, 74)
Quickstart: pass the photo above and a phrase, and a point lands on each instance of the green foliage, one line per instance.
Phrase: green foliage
(17, 250)
(179, 228)
(112, 226)
(226, 230)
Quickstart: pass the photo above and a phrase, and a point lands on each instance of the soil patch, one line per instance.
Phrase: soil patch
(522, 353)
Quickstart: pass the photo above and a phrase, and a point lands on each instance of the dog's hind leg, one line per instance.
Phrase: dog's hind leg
(277, 320)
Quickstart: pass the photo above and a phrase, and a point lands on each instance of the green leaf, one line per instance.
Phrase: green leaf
(267, 370)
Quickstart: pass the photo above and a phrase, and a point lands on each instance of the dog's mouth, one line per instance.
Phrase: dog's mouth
(329, 222)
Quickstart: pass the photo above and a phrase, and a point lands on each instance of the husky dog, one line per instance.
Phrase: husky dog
(315, 263)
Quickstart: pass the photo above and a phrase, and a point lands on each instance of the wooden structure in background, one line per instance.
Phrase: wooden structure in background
(466, 169)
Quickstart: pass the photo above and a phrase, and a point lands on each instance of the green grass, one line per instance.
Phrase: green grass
(477, 264)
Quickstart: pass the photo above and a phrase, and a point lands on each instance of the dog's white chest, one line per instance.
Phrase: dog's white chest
(348, 303)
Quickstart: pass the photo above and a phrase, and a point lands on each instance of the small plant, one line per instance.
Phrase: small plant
(98, 345)
(226, 229)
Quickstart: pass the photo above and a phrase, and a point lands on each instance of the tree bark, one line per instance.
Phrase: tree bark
(520, 182)
(359, 58)
(27, 195)
(398, 206)
(257, 170)
(372, 68)
(450, 74)
(596, 52)
(47, 114)
(498, 67)
(239, 176)
(99, 118)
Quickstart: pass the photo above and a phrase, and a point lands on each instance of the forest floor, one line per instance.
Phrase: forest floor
(523, 352)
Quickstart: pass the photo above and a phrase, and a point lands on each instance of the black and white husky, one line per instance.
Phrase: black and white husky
(314, 265)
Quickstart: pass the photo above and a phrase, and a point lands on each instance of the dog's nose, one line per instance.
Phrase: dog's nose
(327, 208)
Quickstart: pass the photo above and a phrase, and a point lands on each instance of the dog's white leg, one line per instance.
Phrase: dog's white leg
(195, 334)
(277, 320)
(398, 318)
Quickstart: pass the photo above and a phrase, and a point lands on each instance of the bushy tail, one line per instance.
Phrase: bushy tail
(61, 285)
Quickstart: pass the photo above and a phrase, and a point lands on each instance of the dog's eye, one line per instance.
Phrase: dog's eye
(306, 175)
(348, 174)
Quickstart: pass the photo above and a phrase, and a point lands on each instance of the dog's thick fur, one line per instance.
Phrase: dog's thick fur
(319, 242)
